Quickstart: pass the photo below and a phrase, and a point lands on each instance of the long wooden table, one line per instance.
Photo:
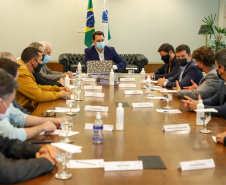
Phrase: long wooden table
(142, 136)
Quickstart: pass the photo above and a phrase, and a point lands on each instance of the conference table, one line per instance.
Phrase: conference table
(143, 135)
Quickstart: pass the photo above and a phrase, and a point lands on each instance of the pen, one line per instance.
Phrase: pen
(85, 163)
(173, 111)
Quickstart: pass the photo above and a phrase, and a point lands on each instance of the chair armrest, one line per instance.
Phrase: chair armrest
(141, 61)
(63, 59)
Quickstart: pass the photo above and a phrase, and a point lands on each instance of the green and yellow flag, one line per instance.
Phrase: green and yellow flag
(90, 21)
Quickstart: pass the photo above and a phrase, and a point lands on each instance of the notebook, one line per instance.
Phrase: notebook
(99, 67)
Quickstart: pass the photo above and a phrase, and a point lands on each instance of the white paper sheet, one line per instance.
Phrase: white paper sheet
(168, 111)
(88, 163)
(68, 147)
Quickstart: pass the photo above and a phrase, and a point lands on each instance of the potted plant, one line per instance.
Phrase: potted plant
(217, 33)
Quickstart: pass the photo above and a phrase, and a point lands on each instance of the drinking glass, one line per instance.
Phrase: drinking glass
(78, 91)
(70, 103)
(168, 97)
(63, 157)
(66, 126)
(205, 118)
(148, 86)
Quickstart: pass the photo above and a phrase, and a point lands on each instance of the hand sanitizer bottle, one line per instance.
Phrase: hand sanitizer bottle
(142, 73)
(111, 77)
(120, 117)
(67, 81)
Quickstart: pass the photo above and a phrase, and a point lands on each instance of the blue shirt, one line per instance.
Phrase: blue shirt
(13, 126)
(182, 71)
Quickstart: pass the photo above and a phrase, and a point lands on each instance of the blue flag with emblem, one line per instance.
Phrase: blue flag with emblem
(105, 23)
(90, 21)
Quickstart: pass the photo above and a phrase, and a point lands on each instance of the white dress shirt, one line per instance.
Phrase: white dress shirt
(101, 56)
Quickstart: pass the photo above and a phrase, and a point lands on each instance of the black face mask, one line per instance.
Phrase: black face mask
(182, 62)
(38, 68)
(219, 76)
(43, 56)
(166, 58)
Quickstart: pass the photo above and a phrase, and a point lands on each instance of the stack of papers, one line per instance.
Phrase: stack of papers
(59, 132)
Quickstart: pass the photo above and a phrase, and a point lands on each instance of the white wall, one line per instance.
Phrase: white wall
(136, 26)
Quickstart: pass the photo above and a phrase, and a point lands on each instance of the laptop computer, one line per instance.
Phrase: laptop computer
(99, 67)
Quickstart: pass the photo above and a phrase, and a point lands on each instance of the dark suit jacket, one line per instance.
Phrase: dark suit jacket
(191, 72)
(109, 54)
(218, 102)
(163, 71)
(40, 80)
(24, 169)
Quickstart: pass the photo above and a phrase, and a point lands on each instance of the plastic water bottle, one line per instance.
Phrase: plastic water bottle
(120, 117)
(67, 81)
(79, 67)
(199, 114)
(98, 137)
(142, 73)
(111, 77)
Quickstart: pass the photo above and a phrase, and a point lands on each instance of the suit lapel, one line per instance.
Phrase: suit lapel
(95, 54)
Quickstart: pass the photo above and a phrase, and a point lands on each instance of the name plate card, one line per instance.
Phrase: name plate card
(89, 126)
(127, 85)
(89, 80)
(99, 95)
(145, 104)
(93, 87)
(127, 79)
(96, 108)
(123, 165)
(65, 109)
(134, 92)
(196, 165)
(179, 127)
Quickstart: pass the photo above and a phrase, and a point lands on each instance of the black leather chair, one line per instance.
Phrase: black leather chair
(70, 62)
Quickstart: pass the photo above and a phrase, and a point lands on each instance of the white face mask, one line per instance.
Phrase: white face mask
(3, 116)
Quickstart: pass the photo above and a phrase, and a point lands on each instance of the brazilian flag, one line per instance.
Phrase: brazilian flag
(90, 21)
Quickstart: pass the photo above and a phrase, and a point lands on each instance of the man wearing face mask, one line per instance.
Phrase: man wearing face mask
(210, 83)
(218, 101)
(171, 66)
(101, 52)
(29, 92)
(38, 77)
(15, 124)
(187, 72)
(45, 72)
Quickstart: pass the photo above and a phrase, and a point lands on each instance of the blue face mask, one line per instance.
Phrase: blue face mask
(46, 59)
(100, 45)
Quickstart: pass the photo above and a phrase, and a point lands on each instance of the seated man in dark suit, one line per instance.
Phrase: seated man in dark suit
(187, 72)
(171, 66)
(218, 101)
(101, 52)
(35, 160)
